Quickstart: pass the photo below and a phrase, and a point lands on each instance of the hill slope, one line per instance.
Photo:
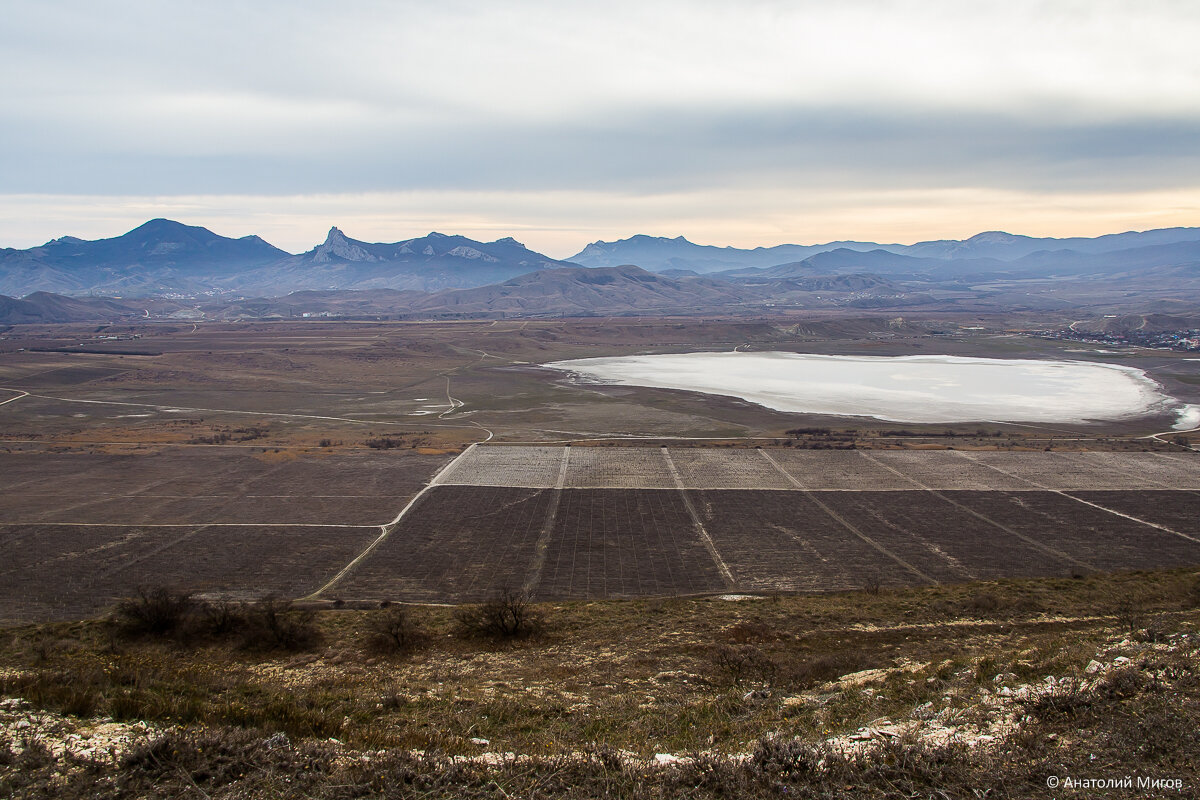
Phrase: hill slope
(159, 256)
(427, 263)
(660, 254)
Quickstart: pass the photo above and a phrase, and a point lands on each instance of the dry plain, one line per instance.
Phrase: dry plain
(242, 460)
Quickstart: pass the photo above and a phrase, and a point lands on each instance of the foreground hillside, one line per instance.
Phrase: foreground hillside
(987, 689)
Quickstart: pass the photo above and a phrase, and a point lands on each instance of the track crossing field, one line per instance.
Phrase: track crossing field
(590, 522)
(583, 522)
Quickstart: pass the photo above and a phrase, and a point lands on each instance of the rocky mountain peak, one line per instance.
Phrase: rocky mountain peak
(337, 246)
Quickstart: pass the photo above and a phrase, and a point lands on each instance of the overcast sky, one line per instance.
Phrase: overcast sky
(561, 123)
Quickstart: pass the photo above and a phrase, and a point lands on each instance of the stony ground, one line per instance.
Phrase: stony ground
(987, 689)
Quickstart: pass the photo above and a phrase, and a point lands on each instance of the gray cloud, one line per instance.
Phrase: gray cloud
(652, 151)
(638, 99)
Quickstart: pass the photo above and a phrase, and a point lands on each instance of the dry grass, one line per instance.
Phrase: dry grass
(773, 677)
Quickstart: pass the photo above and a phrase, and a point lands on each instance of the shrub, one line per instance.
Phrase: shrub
(1193, 594)
(983, 602)
(384, 443)
(220, 619)
(272, 624)
(1121, 684)
(821, 669)
(746, 662)
(508, 615)
(393, 630)
(1129, 615)
(155, 611)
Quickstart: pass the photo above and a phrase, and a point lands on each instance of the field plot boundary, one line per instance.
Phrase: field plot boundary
(53, 524)
(792, 479)
(1070, 496)
(385, 530)
(1050, 551)
(542, 546)
(1139, 520)
(526, 467)
(846, 524)
(709, 544)
(540, 466)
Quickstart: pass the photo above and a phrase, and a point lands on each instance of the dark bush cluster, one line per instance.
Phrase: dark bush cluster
(395, 630)
(510, 614)
(155, 611)
(735, 664)
(384, 443)
(164, 613)
(272, 624)
(823, 668)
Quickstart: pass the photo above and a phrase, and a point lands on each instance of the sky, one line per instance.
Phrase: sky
(732, 123)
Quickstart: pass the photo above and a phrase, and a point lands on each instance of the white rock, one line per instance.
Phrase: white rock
(480, 742)
(1093, 667)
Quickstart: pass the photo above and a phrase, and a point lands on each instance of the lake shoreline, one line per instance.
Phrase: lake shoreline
(928, 389)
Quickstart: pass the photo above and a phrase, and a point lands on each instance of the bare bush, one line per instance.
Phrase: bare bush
(508, 615)
(220, 619)
(272, 624)
(1192, 599)
(1129, 615)
(820, 669)
(743, 663)
(155, 611)
(983, 603)
(394, 630)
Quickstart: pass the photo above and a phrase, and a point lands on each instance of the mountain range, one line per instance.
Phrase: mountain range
(164, 269)
(156, 257)
(163, 257)
(428, 263)
(660, 254)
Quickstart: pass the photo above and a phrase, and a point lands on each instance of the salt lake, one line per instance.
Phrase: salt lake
(929, 389)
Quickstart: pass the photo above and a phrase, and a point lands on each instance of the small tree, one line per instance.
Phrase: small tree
(394, 630)
(745, 662)
(507, 615)
(272, 624)
(155, 611)
(1129, 615)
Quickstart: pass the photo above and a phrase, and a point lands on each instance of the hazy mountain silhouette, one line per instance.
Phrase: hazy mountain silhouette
(428, 263)
(160, 255)
(658, 254)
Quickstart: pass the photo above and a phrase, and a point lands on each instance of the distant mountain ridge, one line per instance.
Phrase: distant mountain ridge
(159, 256)
(660, 253)
(428, 263)
(167, 259)
(582, 290)
(162, 257)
